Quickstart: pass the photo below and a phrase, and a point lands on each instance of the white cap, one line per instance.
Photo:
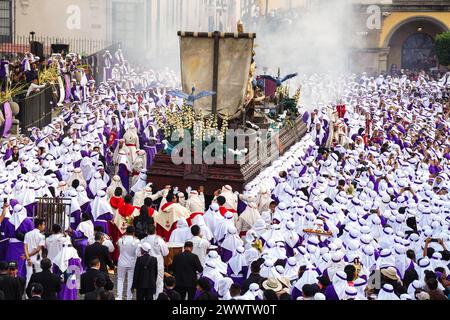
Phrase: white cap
(319, 296)
(146, 247)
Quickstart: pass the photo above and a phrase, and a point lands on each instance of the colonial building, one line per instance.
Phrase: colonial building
(85, 25)
(390, 33)
(62, 18)
(406, 37)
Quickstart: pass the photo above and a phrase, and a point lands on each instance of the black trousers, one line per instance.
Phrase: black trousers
(183, 290)
(144, 294)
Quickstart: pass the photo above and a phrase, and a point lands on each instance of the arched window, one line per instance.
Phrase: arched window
(418, 52)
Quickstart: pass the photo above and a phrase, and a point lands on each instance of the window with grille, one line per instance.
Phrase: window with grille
(5, 20)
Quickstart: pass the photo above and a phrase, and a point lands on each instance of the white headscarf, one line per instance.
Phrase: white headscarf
(82, 196)
(182, 233)
(195, 203)
(115, 183)
(291, 269)
(308, 277)
(67, 252)
(415, 285)
(232, 241)
(27, 196)
(205, 231)
(212, 272)
(97, 184)
(340, 284)
(250, 214)
(18, 216)
(256, 291)
(238, 261)
(268, 270)
(223, 288)
(74, 205)
(100, 205)
(214, 258)
(291, 237)
(141, 183)
(87, 228)
(387, 293)
(275, 249)
(213, 218)
(221, 229)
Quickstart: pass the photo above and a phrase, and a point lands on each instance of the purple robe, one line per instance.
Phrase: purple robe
(211, 284)
(330, 293)
(77, 163)
(241, 206)
(80, 243)
(290, 250)
(15, 247)
(3, 241)
(68, 89)
(296, 293)
(58, 175)
(30, 209)
(240, 279)
(102, 221)
(84, 153)
(225, 254)
(8, 154)
(124, 175)
(65, 293)
(86, 208)
(151, 152)
(76, 217)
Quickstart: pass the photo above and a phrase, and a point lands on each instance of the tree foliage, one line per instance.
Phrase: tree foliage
(443, 48)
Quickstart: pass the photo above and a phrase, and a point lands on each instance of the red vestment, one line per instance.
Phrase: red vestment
(224, 210)
(114, 232)
(126, 210)
(192, 216)
(116, 202)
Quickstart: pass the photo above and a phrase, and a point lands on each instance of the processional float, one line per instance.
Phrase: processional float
(220, 67)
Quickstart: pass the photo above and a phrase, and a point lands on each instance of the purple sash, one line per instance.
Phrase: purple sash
(68, 88)
(8, 119)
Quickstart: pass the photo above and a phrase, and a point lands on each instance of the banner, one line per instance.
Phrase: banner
(197, 70)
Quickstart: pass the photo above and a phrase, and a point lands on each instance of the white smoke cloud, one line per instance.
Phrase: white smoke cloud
(316, 39)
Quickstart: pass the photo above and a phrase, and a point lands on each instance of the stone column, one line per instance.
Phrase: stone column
(383, 60)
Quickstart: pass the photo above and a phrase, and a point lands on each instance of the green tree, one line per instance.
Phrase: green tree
(443, 48)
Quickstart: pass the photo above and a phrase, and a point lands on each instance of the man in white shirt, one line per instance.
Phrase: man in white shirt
(128, 247)
(158, 250)
(201, 245)
(33, 244)
(55, 242)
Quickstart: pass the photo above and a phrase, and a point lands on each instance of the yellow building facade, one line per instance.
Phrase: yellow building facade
(410, 32)
(405, 36)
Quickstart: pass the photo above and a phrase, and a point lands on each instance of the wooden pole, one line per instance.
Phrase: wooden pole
(215, 84)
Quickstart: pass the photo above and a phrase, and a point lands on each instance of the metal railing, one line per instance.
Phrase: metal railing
(36, 109)
(53, 211)
(15, 47)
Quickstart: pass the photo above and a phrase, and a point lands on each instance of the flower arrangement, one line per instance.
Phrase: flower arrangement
(173, 119)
